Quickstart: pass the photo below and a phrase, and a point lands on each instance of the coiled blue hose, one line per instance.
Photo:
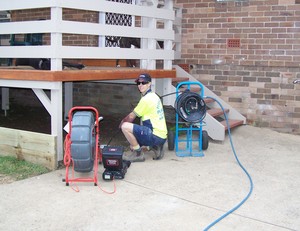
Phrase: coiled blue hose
(238, 161)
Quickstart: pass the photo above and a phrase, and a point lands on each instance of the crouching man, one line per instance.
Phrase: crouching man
(152, 133)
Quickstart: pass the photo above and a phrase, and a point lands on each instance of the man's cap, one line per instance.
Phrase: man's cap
(143, 78)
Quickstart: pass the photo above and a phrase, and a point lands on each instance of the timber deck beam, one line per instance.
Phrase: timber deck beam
(86, 74)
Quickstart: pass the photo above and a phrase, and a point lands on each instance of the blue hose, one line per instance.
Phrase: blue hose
(238, 161)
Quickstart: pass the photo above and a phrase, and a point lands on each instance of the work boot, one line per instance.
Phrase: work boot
(158, 152)
(135, 156)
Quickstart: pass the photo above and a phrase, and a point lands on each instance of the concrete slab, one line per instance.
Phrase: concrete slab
(175, 193)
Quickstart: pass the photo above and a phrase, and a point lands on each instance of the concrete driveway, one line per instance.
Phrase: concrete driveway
(176, 193)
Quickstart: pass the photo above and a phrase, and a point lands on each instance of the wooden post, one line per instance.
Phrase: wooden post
(5, 99)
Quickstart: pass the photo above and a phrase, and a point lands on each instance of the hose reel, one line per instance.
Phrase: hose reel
(190, 107)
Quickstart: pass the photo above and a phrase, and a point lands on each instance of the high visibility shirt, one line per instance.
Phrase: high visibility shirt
(151, 111)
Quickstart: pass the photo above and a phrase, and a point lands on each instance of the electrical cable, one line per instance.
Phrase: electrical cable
(172, 93)
(67, 156)
(113, 136)
(107, 192)
(240, 164)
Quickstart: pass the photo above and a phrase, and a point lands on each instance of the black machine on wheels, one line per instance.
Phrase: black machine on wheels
(115, 166)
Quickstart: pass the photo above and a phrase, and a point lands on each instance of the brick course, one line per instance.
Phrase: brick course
(257, 77)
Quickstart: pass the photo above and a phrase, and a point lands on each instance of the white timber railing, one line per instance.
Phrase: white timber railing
(149, 32)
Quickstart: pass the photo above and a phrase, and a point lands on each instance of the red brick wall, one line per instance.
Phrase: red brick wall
(80, 16)
(33, 14)
(255, 78)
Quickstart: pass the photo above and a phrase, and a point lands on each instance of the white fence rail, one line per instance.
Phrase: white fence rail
(149, 32)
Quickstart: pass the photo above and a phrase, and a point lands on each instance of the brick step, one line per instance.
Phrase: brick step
(232, 123)
(177, 80)
(215, 112)
(195, 89)
(208, 100)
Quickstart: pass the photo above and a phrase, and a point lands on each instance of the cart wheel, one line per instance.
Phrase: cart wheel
(171, 140)
(204, 140)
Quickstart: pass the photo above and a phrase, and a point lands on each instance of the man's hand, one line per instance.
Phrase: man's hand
(129, 118)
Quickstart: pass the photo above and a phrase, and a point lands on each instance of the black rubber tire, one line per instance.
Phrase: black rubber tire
(171, 140)
(204, 140)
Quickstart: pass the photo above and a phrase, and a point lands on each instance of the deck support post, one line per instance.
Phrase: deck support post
(5, 99)
(68, 90)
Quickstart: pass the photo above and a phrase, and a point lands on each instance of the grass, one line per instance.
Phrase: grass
(19, 169)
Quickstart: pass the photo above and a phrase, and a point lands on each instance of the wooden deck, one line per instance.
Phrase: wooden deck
(86, 74)
(38, 80)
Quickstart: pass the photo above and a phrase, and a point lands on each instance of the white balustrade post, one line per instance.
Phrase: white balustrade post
(148, 43)
(57, 95)
(56, 39)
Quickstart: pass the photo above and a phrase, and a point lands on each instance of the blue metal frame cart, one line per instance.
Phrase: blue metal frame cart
(187, 127)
